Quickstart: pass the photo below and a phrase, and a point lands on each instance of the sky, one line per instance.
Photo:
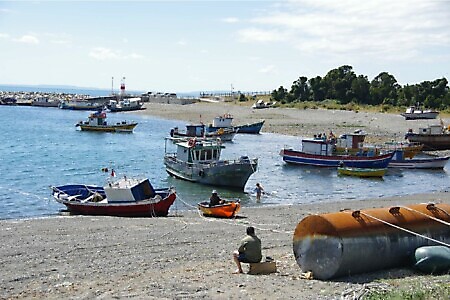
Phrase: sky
(185, 46)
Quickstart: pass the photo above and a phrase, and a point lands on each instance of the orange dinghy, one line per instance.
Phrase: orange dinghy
(226, 210)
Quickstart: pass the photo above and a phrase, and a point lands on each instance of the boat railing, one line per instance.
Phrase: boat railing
(244, 160)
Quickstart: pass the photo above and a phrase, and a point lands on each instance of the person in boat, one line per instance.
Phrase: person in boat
(259, 190)
(215, 199)
(249, 250)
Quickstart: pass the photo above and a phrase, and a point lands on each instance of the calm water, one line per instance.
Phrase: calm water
(41, 147)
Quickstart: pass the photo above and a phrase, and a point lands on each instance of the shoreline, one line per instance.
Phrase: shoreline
(183, 255)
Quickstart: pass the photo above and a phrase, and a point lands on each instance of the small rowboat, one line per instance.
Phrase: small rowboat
(361, 172)
(227, 210)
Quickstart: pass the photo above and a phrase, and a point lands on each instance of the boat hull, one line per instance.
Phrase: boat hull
(109, 128)
(301, 158)
(144, 208)
(228, 173)
(420, 163)
(361, 172)
(418, 116)
(254, 128)
(226, 210)
(430, 141)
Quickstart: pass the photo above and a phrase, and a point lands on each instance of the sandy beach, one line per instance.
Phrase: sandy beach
(186, 255)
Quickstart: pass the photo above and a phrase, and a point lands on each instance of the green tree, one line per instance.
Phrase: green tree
(279, 95)
(317, 89)
(360, 89)
(300, 90)
(338, 83)
(384, 86)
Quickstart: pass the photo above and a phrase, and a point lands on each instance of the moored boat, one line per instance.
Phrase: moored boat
(430, 162)
(416, 113)
(125, 104)
(97, 122)
(198, 131)
(226, 121)
(433, 137)
(199, 161)
(361, 172)
(319, 152)
(123, 198)
(229, 209)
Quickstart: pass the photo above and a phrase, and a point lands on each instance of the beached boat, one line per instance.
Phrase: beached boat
(97, 122)
(198, 130)
(81, 104)
(319, 152)
(429, 162)
(124, 198)
(125, 104)
(228, 209)
(416, 113)
(199, 161)
(433, 137)
(260, 104)
(226, 121)
(361, 172)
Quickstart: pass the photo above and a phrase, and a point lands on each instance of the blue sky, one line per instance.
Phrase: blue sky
(183, 46)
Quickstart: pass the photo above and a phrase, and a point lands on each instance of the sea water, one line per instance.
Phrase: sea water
(41, 147)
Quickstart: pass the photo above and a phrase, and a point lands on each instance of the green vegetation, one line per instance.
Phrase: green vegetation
(350, 91)
(422, 291)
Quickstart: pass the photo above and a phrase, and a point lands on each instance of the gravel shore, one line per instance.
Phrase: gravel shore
(187, 255)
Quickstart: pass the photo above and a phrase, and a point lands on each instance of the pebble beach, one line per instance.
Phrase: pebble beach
(188, 256)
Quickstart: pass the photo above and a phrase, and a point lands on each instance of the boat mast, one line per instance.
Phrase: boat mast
(112, 86)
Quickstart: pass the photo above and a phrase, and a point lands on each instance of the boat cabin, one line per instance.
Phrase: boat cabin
(129, 190)
(195, 130)
(97, 119)
(194, 151)
(432, 129)
(317, 146)
(223, 121)
(353, 140)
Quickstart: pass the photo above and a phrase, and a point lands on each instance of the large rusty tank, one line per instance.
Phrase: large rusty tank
(350, 242)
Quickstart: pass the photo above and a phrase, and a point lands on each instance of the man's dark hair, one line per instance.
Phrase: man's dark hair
(250, 230)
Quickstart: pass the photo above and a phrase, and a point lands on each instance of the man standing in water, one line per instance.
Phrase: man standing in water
(249, 250)
(259, 190)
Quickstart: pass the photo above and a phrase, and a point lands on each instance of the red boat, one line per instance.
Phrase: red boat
(122, 198)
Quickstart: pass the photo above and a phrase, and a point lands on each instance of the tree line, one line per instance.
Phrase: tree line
(344, 86)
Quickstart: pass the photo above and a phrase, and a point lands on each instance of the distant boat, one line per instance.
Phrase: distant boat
(45, 102)
(228, 209)
(399, 161)
(226, 121)
(361, 172)
(198, 130)
(434, 137)
(260, 104)
(97, 122)
(415, 113)
(319, 152)
(123, 198)
(125, 104)
(199, 161)
(81, 105)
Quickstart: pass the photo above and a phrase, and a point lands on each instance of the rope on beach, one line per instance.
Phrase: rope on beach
(404, 229)
(431, 217)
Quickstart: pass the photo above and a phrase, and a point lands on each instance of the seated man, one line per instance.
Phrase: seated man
(249, 251)
(215, 199)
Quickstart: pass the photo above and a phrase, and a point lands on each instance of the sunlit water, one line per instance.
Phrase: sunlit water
(41, 147)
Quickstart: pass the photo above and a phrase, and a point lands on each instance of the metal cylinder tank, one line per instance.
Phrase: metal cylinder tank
(351, 242)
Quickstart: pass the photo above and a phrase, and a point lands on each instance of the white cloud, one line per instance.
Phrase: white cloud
(230, 20)
(101, 53)
(391, 29)
(182, 42)
(261, 35)
(4, 35)
(27, 39)
(267, 69)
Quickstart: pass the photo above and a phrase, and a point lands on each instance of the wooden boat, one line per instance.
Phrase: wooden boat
(199, 161)
(350, 242)
(226, 210)
(361, 172)
(434, 137)
(97, 122)
(319, 152)
(429, 162)
(123, 198)
(226, 121)
(416, 113)
(198, 130)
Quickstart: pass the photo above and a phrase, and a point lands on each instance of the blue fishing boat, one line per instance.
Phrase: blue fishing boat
(320, 152)
(425, 162)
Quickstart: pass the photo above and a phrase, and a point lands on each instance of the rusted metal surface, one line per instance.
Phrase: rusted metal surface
(351, 242)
